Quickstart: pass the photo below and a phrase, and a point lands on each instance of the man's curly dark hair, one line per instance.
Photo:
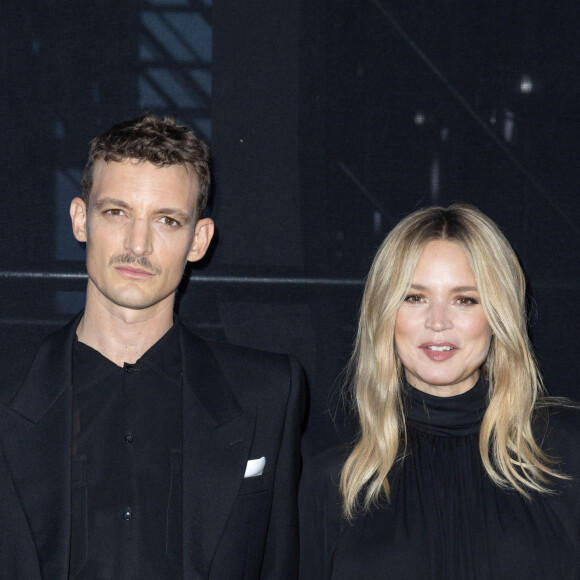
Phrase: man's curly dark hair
(159, 141)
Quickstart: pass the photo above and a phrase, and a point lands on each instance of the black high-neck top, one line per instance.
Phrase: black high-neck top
(446, 416)
(446, 519)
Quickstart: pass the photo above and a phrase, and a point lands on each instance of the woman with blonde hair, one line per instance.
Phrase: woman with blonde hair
(462, 468)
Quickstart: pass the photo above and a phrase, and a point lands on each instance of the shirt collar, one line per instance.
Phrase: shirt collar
(164, 357)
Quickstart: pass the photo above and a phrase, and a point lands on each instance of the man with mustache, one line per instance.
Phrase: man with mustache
(135, 449)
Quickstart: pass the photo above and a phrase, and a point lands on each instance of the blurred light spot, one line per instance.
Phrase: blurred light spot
(58, 129)
(444, 134)
(526, 84)
(434, 179)
(377, 222)
(508, 126)
(419, 118)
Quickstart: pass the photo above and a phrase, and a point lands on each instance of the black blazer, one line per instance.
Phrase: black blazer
(238, 404)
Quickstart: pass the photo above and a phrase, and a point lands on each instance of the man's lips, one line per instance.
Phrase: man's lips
(131, 272)
(439, 351)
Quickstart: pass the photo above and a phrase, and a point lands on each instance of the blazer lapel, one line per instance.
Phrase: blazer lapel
(36, 439)
(217, 437)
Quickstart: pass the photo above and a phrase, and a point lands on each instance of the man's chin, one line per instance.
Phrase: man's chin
(138, 302)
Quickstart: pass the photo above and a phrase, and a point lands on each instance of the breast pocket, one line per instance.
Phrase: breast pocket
(256, 484)
(79, 523)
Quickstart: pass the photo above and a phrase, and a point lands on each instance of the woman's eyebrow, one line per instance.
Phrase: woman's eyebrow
(455, 289)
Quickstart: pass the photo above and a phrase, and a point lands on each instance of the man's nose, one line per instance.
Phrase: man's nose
(138, 240)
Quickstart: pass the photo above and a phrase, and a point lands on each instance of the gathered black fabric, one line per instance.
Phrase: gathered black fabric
(446, 519)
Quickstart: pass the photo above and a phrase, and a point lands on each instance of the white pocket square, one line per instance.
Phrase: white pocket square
(255, 467)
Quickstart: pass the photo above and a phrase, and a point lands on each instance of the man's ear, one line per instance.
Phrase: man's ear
(78, 216)
(203, 234)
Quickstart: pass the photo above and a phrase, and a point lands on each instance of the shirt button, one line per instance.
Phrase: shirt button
(129, 438)
(127, 515)
(129, 368)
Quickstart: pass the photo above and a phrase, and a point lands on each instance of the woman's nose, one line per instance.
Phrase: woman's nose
(438, 317)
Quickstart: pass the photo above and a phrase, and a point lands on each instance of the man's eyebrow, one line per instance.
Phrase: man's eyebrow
(111, 201)
(174, 212)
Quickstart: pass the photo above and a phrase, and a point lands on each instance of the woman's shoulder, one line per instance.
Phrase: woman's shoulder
(325, 448)
(557, 428)
(558, 416)
(324, 451)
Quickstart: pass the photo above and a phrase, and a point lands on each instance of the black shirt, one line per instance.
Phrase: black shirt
(127, 442)
(446, 519)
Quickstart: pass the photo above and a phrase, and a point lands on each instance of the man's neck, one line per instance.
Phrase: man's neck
(123, 335)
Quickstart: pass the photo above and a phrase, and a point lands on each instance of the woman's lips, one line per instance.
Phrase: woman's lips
(439, 351)
(136, 273)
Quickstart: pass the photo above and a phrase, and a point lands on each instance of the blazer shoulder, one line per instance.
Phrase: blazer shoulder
(43, 355)
(242, 357)
(252, 372)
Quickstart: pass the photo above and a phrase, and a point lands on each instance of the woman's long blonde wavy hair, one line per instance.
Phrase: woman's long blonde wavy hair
(510, 455)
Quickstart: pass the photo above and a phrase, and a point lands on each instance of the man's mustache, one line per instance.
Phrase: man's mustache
(141, 261)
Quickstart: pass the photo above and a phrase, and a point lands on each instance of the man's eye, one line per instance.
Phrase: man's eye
(114, 211)
(414, 298)
(169, 221)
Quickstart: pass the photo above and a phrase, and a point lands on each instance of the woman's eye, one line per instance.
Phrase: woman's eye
(414, 298)
(466, 301)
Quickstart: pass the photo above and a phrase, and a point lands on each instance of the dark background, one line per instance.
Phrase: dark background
(329, 121)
